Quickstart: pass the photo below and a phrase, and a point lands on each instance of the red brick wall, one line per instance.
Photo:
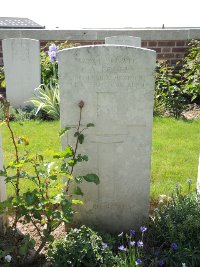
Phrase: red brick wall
(172, 51)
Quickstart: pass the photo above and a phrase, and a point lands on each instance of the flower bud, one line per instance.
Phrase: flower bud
(81, 104)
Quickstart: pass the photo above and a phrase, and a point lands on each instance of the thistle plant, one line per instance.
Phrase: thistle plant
(49, 204)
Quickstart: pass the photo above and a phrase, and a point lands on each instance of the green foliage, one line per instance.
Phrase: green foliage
(19, 114)
(81, 247)
(191, 71)
(168, 96)
(2, 77)
(49, 71)
(47, 99)
(175, 89)
(177, 221)
(131, 248)
(49, 204)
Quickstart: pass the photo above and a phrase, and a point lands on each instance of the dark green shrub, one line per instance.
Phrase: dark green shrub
(19, 114)
(191, 72)
(81, 247)
(2, 77)
(169, 97)
(177, 221)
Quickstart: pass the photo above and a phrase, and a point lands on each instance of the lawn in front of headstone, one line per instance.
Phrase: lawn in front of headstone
(175, 150)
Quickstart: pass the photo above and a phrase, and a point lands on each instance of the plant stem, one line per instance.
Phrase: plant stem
(75, 150)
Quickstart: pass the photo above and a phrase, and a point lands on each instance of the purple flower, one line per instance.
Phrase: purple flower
(140, 243)
(122, 248)
(53, 52)
(132, 243)
(105, 246)
(132, 232)
(143, 229)
(174, 246)
(138, 262)
(53, 56)
(52, 48)
(161, 263)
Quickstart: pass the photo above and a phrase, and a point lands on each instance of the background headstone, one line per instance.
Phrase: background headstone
(2, 189)
(123, 40)
(117, 85)
(21, 58)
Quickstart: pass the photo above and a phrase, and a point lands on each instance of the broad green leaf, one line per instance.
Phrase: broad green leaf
(85, 157)
(78, 191)
(68, 176)
(79, 179)
(63, 131)
(90, 125)
(22, 249)
(31, 243)
(92, 178)
(77, 201)
(81, 138)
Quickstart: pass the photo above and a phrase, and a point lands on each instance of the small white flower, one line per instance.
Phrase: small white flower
(8, 258)
(184, 265)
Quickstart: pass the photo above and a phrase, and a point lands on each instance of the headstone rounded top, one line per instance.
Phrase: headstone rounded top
(123, 40)
(19, 40)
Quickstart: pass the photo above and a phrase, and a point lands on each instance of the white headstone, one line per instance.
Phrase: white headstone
(117, 85)
(123, 40)
(198, 178)
(22, 69)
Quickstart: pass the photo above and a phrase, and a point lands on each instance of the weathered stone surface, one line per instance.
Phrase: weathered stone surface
(123, 40)
(116, 83)
(22, 69)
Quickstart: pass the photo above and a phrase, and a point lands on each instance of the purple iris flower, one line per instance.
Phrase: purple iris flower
(140, 244)
(138, 262)
(132, 243)
(161, 263)
(53, 52)
(105, 246)
(52, 48)
(174, 246)
(143, 229)
(53, 56)
(132, 232)
(122, 248)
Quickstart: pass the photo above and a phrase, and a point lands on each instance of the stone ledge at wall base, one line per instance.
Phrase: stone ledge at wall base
(101, 34)
(123, 40)
(117, 85)
(21, 58)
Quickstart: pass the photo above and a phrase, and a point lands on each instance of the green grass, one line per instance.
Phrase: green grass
(175, 152)
(176, 146)
(43, 138)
